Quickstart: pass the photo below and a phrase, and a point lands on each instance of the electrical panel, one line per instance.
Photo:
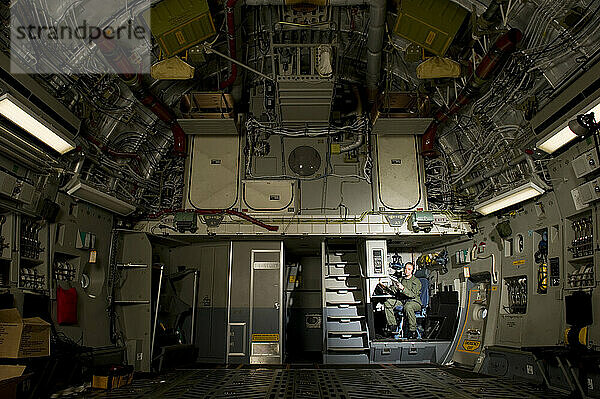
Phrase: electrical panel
(589, 192)
(15, 188)
(586, 163)
(516, 291)
(583, 241)
(376, 258)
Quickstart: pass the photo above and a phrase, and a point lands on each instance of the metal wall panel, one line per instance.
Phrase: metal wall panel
(212, 172)
(398, 170)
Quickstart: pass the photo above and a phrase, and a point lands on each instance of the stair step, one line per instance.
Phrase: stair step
(347, 349)
(338, 289)
(346, 332)
(340, 263)
(338, 303)
(340, 318)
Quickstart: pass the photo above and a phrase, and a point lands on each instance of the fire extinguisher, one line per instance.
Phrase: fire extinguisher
(541, 258)
(542, 278)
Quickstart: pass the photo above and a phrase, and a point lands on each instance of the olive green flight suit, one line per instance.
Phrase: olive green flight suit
(409, 300)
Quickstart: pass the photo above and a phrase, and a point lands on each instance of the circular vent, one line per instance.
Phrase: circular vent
(304, 161)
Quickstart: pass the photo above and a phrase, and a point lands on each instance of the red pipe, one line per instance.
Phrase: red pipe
(232, 43)
(241, 215)
(486, 70)
(120, 62)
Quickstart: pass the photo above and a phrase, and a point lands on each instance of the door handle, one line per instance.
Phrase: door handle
(277, 305)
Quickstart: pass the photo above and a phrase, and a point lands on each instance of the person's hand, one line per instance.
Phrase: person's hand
(400, 286)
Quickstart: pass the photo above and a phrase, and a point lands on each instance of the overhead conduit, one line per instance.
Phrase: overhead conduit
(120, 62)
(504, 46)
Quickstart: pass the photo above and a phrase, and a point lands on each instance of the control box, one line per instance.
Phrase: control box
(586, 163)
(376, 258)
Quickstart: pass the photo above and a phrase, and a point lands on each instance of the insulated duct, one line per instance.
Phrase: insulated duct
(115, 56)
(375, 47)
(504, 46)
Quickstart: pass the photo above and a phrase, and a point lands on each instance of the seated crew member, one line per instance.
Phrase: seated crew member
(406, 294)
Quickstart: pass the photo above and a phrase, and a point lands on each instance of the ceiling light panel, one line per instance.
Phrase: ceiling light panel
(513, 197)
(26, 119)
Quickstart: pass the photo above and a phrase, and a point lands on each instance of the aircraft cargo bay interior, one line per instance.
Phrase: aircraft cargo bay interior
(300, 199)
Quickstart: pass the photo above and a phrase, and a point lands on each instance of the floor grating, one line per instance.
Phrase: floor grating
(387, 382)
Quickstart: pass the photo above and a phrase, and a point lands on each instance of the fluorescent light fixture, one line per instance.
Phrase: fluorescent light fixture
(556, 140)
(512, 197)
(96, 197)
(22, 116)
(564, 135)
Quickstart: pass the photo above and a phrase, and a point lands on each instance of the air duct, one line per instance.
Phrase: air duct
(120, 62)
(487, 69)
(375, 47)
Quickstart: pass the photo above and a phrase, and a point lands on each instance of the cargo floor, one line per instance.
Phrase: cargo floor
(332, 383)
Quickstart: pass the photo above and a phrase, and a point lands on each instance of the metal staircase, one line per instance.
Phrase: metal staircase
(345, 332)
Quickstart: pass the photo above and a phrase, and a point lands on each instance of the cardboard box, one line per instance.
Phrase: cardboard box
(21, 337)
(11, 381)
(112, 377)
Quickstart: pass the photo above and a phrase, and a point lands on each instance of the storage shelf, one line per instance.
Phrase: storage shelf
(586, 287)
(581, 259)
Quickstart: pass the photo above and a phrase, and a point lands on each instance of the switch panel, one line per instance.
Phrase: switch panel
(376, 258)
(589, 192)
(586, 163)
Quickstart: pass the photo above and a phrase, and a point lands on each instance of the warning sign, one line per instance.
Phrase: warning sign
(265, 337)
(519, 262)
(471, 345)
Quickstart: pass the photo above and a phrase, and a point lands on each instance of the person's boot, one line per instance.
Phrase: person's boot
(412, 335)
(388, 332)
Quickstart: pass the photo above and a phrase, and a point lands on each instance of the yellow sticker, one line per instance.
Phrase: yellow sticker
(265, 337)
(471, 345)
(292, 279)
(494, 288)
(519, 262)
(430, 38)
(180, 37)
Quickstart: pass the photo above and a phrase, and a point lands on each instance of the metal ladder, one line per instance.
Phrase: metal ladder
(345, 332)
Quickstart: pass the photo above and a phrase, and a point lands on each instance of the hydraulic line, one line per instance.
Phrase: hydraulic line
(496, 57)
(232, 212)
(120, 62)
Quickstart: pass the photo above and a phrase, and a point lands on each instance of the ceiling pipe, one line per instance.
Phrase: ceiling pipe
(500, 169)
(231, 212)
(375, 37)
(487, 69)
(117, 58)
(360, 137)
(233, 74)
